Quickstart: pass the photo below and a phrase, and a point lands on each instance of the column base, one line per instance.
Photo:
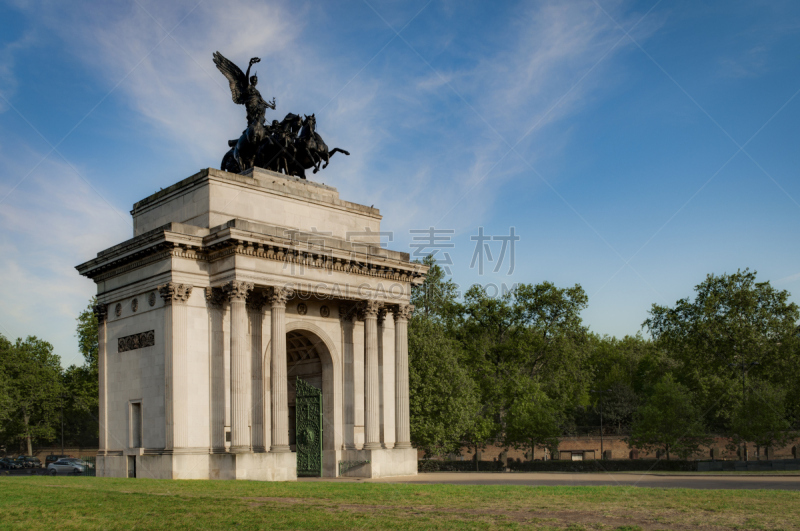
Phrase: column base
(241, 450)
(279, 449)
(372, 446)
(402, 445)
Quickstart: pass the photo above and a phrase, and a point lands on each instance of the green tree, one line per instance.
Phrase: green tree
(81, 385)
(443, 398)
(34, 374)
(533, 421)
(734, 328)
(437, 298)
(761, 418)
(6, 403)
(87, 334)
(669, 421)
(532, 334)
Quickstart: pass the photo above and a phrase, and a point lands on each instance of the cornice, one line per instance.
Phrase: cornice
(150, 248)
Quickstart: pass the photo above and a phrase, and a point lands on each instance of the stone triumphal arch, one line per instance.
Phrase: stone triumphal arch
(240, 300)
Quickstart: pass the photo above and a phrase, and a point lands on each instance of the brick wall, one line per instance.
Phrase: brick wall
(620, 450)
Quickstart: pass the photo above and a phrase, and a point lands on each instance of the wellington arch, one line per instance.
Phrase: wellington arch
(253, 328)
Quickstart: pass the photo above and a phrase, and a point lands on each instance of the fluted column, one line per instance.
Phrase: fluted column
(386, 362)
(240, 366)
(101, 311)
(176, 364)
(255, 305)
(372, 418)
(216, 299)
(403, 432)
(280, 395)
(347, 318)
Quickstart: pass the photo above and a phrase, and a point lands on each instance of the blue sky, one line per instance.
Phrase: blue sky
(634, 146)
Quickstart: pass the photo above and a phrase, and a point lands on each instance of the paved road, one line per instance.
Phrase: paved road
(705, 481)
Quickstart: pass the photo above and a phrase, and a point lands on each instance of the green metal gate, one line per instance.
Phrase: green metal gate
(308, 429)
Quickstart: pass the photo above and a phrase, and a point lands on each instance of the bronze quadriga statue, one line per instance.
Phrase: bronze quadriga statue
(290, 146)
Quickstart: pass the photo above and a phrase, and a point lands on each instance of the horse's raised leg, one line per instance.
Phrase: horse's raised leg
(334, 151)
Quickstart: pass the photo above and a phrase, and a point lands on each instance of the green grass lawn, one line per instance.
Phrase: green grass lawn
(101, 503)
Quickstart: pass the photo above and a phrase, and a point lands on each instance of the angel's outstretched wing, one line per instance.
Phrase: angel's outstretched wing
(235, 76)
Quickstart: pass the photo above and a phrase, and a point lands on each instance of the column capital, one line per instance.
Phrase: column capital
(101, 312)
(403, 312)
(382, 313)
(278, 296)
(172, 292)
(216, 296)
(238, 290)
(371, 308)
(347, 312)
(257, 301)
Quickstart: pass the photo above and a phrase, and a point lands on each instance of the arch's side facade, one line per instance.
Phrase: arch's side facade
(194, 313)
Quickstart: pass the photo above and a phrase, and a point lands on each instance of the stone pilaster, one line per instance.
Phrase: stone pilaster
(280, 394)
(372, 389)
(101, 312)
(255, 313)
(216, 300)
(401, 315)
(347, 318)
(237, 292)
(176, 364)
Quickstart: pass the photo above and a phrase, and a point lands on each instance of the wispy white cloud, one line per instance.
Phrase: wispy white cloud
(8, 78)
(52, 222)
(416, 146)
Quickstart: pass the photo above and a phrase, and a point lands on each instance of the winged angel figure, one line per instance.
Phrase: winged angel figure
(244, 92)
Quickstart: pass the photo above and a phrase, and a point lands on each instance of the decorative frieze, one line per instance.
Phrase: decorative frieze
(173, 292)
(136, 341)
(322, 259)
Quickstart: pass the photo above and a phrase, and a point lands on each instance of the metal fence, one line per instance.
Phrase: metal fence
(91, 466)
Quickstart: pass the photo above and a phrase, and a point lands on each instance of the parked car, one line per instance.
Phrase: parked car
(20, 461)
(79, 461)
(53, 458)
(9, 463)
(31, 462)
(65, 466)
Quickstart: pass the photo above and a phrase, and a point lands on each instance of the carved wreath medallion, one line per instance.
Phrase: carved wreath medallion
(302, 309)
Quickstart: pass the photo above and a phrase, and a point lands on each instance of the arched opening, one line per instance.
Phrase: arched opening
(308, 358)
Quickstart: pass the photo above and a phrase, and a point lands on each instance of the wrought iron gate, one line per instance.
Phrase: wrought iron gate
(308, 428)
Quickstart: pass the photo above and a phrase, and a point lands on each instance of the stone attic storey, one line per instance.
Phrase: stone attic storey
(253, 328)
